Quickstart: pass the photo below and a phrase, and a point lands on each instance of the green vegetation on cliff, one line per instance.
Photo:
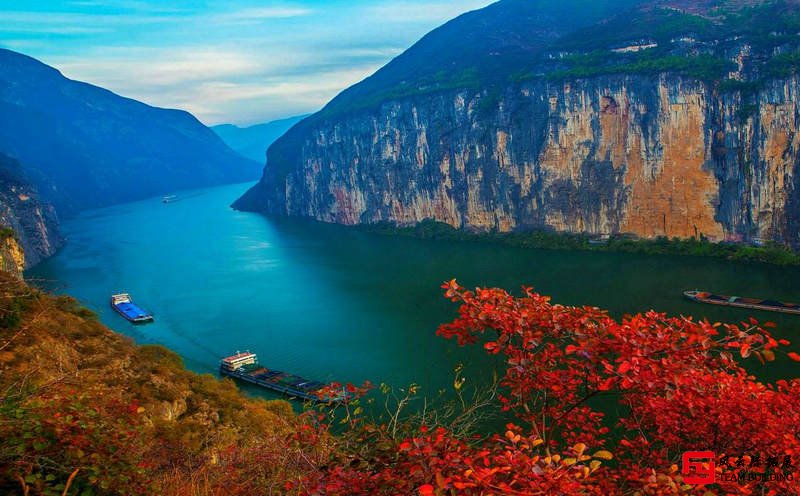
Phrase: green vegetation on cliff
(694, 44)
(513, 41)
(551, 240)
(701, 67)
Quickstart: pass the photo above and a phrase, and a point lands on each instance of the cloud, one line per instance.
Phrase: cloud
(22, 45)
(214, 102)
(55, 28)
(73, 23)
(260, 14)
(243, 64)
(11, 17)
(98, 16)
(254, 103)
(132, 5)
(160, 67)
(223, 84)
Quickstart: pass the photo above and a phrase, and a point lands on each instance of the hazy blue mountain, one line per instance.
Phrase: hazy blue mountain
(84, 146)
(252, 142)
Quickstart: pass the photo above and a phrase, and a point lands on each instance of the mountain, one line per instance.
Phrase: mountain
(252, 142)
(29, 229)
(654, 118)
(86, 147)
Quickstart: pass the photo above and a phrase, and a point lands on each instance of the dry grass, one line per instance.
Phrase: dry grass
(197, 435)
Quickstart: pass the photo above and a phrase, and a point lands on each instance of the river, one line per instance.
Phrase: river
(335, 303)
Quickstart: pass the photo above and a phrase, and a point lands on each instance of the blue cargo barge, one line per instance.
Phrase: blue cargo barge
(132, 312)
(245, 366)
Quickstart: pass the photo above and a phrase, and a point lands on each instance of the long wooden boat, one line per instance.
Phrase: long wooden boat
(740, 302)
(124, 305)
(244, 366)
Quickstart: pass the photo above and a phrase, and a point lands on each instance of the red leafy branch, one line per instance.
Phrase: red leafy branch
(677, 383)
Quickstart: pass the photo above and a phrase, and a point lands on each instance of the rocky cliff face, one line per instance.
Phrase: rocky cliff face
(692, 134)
(659, 156)
(12, 258)
(29, 226)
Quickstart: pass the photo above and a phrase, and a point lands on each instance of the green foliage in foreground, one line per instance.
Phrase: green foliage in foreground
(550, 240)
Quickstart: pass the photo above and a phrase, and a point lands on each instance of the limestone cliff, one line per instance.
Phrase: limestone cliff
(12, 258)
(28, 225)
(698, 138)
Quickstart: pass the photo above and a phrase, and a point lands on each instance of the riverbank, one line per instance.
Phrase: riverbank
(550, 240)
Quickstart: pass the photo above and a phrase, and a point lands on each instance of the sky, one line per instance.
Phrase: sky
(226, 61)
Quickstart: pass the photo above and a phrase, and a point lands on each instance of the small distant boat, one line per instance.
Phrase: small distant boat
(169, 199)
(124, 305)
(245, 366)
(738, 301)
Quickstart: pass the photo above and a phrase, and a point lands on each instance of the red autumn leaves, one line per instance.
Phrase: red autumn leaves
(601, 406)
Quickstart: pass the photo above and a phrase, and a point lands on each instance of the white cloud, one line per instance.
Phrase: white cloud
(54, 28)
(213, 102)
(240, 65)
(219, 85)
(259, 14)
(157, 67)
(23, 45)
(71, 23)
(13, 18)
(133, 5)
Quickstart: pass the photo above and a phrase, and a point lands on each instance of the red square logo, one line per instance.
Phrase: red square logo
(698, 467)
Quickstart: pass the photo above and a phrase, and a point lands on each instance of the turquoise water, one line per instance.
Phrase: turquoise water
(333, 303)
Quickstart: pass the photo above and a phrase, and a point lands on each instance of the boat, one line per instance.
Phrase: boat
(124, 305)
(245, 366)
(600, 240)
(740, 302)
(169, 199)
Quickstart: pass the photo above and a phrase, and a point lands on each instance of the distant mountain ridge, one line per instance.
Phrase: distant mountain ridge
(654, 118)
(85, 147)
(252, 141)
